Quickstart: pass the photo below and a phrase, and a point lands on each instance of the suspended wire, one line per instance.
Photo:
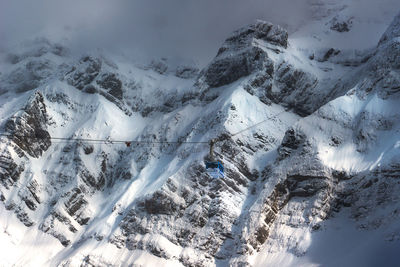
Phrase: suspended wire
(261, 122)
(128, 143)
(102, 141)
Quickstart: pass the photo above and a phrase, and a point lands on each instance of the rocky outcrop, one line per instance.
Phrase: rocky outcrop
(239, 56)
(227, 69)
(293, 140)
(261, 30)
(111, 84)
(158, 199)
(97, 75)
(392, 32)
(246, 55)
(84, 73)
(9, 170)
(186, 72)
(341, 25)
(28, 129)
(76, 206)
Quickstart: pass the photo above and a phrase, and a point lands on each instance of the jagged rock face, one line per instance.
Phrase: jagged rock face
(261, 30)
(239, 57)
(186, 72)
(87, 71)
(110, 82)
(28, 130)
(230, 68)
(9, 171)
(156, 198)
(294, 85)
(292, 140)
(339, 25)
(284, 84)
(247, 54)
(392, 32)
(92, 75)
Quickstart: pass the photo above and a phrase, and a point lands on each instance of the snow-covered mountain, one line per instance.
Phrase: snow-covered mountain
(316, 183)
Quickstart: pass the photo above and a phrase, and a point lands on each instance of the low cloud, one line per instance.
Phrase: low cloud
(152, 28)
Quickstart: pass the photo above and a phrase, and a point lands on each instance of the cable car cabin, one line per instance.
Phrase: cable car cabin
(215, 169)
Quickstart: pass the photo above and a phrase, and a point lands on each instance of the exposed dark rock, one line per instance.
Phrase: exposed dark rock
(392, 31)
(230, 68)
(238, 57)
(90, 89)
(31, 199)
(48, 226)
(29, 129)
(341, 175)
(23, 217)
(186, 72)
(260, 30)
(9, 171)
(305, 186)
(331, 52)
(131, 223)
(335, 141)
(86, 71)
(88, 149)
(364, 138)
(275, 202)
(20, 213)
(159, 66)
(292, 140)
(118, 241)
(295, 87)
(75, 206)
(112, 84)
(92, 181)
(161, 202)
(341, 25)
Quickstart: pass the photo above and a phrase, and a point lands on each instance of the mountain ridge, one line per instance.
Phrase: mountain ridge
(332, 150)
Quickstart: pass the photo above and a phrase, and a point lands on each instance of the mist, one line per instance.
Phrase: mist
(152, 28)
(184, 28)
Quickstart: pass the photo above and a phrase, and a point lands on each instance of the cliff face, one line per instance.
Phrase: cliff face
(328, 148)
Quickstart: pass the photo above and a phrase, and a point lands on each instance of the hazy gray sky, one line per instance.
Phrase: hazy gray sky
(172, 27)
(187, 28)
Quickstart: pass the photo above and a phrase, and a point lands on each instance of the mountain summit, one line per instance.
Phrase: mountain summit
(102, 160)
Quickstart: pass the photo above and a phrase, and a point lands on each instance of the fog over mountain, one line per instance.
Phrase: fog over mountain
(200, 133)
(177, 28)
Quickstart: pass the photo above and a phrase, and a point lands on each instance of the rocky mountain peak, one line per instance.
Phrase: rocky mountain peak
(393, 31)
(261, 30)
(240, 55)
(102, 162)
(29, 127)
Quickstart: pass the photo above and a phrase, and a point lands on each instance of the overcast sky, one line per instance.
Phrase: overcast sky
(171, 27)
(187, 28)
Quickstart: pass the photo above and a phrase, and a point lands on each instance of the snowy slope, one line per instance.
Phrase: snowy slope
(320, 171)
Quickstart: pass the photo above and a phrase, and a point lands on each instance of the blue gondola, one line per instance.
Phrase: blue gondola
(215, 169)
